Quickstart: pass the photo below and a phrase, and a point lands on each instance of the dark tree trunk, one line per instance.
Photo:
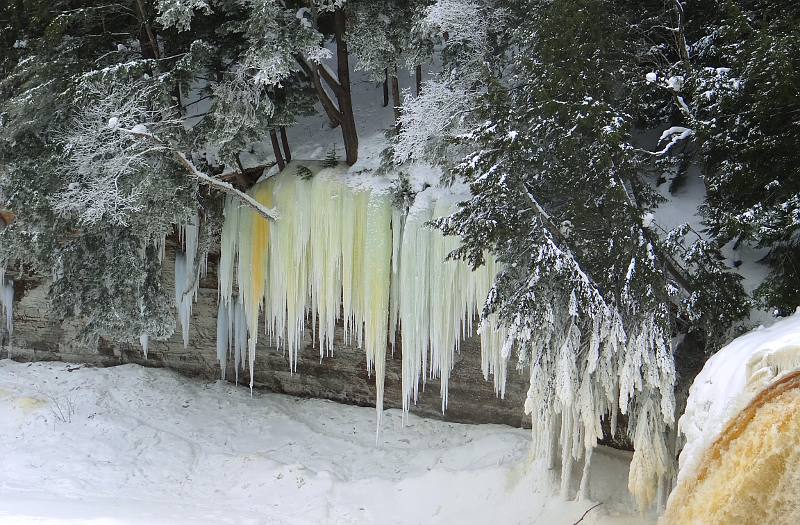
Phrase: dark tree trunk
(340, 114)
(147, 41)
(418, 78)
(348, 122)
(276, 149)
(396, 99)
(385, 87)
(287, 153)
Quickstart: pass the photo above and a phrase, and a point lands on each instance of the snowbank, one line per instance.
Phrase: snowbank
(132, 445)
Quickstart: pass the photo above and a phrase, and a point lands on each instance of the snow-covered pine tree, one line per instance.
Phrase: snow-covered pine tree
(97, 147)
(96, 251)
(736, 88)
(591, 295)
(381, 36)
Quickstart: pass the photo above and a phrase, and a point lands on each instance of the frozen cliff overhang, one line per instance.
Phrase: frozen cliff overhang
(342, 252)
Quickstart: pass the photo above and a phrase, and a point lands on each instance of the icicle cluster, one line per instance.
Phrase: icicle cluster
(188, 269)
(439, 300)
(328, 257)
(341, 252)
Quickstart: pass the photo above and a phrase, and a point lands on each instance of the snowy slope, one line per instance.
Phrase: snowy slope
(146, 446)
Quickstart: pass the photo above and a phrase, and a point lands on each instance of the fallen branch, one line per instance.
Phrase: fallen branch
(587, 512)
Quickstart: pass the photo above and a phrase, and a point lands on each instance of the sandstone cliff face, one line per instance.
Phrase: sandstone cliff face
(341, 378)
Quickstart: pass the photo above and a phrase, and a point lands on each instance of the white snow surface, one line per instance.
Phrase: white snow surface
(731, 379)
(147, 446)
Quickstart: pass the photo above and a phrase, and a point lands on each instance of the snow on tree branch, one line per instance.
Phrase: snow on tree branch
(116, 148)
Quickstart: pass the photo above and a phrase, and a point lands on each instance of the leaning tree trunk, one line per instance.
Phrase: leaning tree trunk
(341, 113)
(276, 149)
(385, 87)
(396, 99)
(287, 153)
(344, 95)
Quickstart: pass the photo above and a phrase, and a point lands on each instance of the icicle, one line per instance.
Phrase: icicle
(186, 282)
(223, 336)
(377, 276)
(7, 302)
(398, 220)
(325, 255)
(230, 234)
(253, 294)
(144, 340)
(288, 263)
(182, 303)
(583, 491)
(414, 298)
(240, 338)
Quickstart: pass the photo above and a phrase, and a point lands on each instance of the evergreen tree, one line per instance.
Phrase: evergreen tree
(97, 142)
(545, 136)
(733, 88)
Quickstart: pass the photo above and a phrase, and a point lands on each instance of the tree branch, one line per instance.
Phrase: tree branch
(587, 512)
(225, 187)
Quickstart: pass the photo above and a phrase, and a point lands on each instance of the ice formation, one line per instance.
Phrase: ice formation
(341, 252)
(439, 300)
(730, 380)
(144, 341)
(742, 429)
(187, 275)
(7, 301)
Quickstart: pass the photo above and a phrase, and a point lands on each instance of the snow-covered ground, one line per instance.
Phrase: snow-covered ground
(132, 445)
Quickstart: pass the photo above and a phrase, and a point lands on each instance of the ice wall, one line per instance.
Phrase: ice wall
(742, 429)
(341, 252)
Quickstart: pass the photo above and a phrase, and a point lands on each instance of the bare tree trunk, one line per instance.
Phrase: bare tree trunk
(418, 78)
(276, 149)
(680, 35)
(241, 175)
(396, 99)
(149, 30)
(348, 122)
(287, 153)
(385, 87)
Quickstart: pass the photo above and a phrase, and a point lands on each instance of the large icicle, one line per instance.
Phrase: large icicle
(7, 302)
(326, 267)
(377, 276)
(414, 298)
(186, 282)
(223, 336)
(230, 234)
